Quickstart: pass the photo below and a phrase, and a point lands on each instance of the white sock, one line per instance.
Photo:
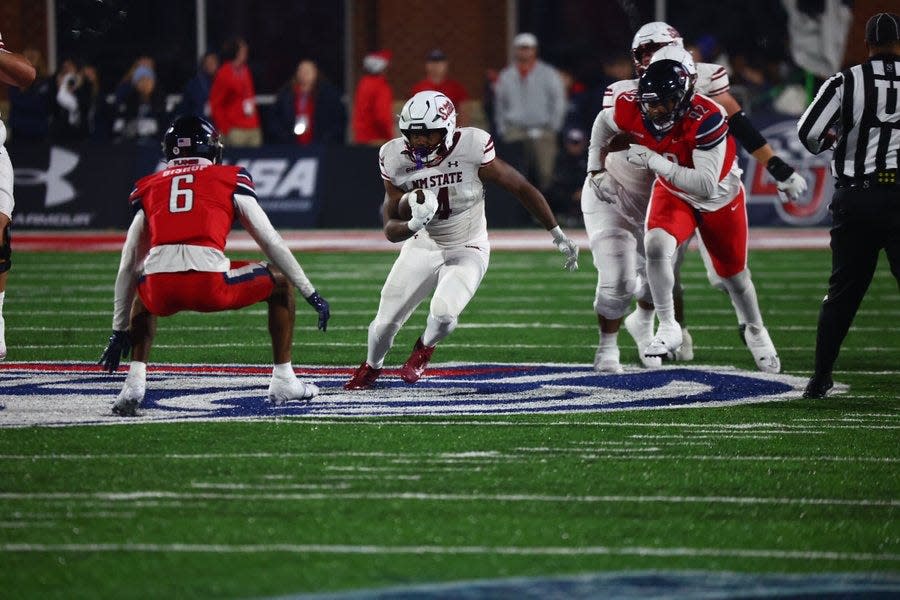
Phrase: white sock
(137, 372)
(283, 371)
(381, 338)
(2, 296)
(743, 297)
(436, 330)
(644, 316)
(608, 341)
(660, 247)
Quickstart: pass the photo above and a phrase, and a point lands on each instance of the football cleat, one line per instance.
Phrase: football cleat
(642, 334)
(686, 351)
(607, 361)
(129, 399)
(363, 378)
(667, 339)
(818, 386)
(762, 349)
(2, 338)
(415, 365)
(285, 389)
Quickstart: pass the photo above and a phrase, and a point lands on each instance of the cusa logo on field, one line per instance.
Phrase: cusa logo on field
(56, 394)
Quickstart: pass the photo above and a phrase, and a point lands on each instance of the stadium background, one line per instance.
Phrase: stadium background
(56, 183)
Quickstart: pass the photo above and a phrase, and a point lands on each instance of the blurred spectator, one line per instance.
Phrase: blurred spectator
(436, 68)
(29, 108)
(373, 114)
(125, 85)
(75, 100)
(232, 98)
(564, 193)
(617, 67)
(309, 109)
(195, 97)
(490, 98)
(577, 102)
(530, 108)
(141, 116)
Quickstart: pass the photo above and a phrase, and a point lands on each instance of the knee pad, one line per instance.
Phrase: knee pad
(659, 244)
(615, 256)
(6, 251)
(442, 313)
(612, 305)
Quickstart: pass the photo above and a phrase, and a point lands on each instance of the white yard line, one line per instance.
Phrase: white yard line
(456, 550)
(432, 497)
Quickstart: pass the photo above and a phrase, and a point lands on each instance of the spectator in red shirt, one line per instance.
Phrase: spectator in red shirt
(373, 115)
(232, 99)
(436, 67)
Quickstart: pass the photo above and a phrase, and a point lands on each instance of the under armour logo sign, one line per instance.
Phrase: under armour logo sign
(59, 191)
(452, 163)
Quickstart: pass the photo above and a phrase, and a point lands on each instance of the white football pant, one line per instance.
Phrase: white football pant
(422, 268)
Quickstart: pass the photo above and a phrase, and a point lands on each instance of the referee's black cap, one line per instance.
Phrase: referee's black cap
(883, 28)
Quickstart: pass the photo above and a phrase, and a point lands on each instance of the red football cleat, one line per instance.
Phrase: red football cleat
(415, 365)
(363, 378)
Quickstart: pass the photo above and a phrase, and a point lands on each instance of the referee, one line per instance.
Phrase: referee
(857, 111)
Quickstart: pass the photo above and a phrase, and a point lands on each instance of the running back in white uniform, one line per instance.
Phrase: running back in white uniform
(454, 179)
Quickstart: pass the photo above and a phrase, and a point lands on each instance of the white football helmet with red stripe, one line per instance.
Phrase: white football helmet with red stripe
(650, 38)
(679, 55)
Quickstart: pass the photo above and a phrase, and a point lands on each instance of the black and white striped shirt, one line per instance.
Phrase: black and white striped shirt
(860, 105)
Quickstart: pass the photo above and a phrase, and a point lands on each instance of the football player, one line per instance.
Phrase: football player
(682, 139)
(173, 260)
(14, 70)
(614, 205)
(434, 175)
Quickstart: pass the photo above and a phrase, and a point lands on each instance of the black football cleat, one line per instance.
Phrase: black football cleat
(818, 387)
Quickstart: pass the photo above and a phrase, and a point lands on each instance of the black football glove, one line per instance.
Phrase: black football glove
(118, 348)
(321, 305)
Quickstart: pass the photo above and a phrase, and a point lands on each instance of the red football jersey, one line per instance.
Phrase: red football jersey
(702, 127)
(191, 203)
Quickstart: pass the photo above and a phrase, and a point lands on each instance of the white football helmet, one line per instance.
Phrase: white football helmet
(428, 111)
(650, 38)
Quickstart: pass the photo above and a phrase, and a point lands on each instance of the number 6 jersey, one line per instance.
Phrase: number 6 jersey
(453, 177)
(189, 207)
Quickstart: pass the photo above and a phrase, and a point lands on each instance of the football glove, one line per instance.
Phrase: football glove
(789, 183)
(639, 155)
(321, 305)
(605, 187)
(118, 348)
(567, 247)
(421, 213)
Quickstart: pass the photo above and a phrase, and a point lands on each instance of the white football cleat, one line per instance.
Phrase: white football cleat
(667, 339)
(2, 338)
(283, 390)
(129, 398)
(642, 334)
(762, 349)
(607, 361)
(686, 350)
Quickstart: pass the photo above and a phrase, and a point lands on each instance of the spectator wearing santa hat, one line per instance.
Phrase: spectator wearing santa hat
(373, 118)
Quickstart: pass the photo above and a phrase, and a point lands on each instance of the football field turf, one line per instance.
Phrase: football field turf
(309, 504)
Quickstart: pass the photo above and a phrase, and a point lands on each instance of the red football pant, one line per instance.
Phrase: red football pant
(724, 231)
(246, 283)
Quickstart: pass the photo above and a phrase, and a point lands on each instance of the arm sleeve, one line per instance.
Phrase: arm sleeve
(701, 179)
(255, 221)
(133, 252)
(602, 132)
(821, 115)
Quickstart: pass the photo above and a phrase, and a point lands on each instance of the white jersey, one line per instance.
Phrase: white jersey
(712, 80)
(453, 178)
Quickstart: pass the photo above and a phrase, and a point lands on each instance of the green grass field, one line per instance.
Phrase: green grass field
(294, 505)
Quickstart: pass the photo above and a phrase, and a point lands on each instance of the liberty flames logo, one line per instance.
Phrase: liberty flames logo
(812, 207)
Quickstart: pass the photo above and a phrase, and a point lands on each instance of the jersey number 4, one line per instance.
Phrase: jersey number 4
(443, 196)
(181, 199)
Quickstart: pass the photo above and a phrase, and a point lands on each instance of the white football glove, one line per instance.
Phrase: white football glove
(605, 187)
(791, 188)
(639, 155)
(567, 247)
(421, 213)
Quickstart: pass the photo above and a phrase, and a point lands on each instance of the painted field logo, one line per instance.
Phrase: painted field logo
(67, 393)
